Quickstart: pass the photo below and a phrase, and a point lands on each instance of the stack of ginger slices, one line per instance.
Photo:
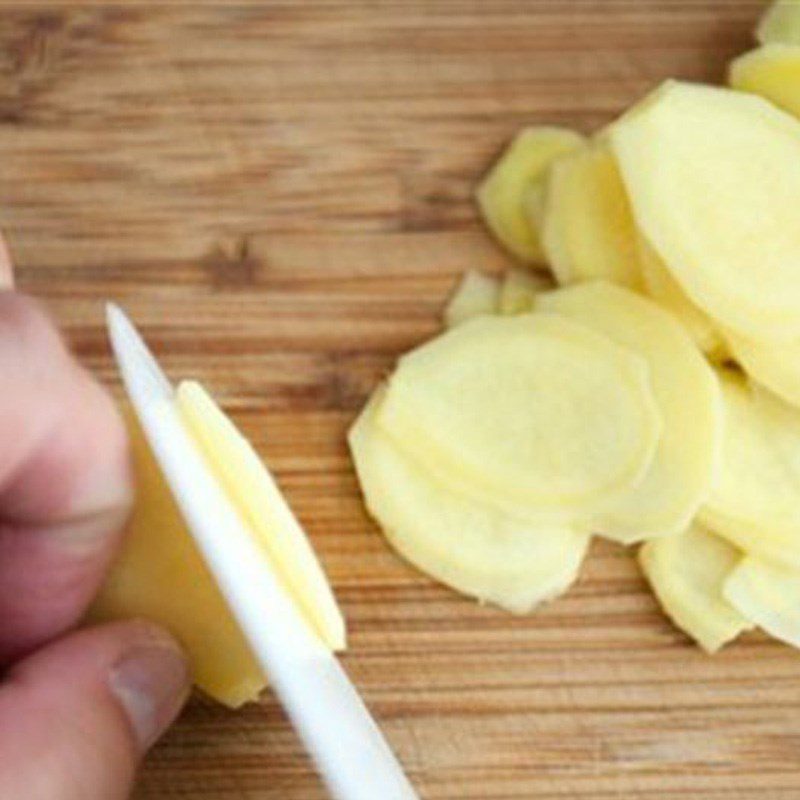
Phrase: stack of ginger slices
(647, 391)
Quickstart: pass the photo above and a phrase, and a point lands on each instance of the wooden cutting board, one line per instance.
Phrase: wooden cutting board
(280, 194)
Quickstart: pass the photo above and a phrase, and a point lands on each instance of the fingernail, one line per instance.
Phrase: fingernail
(151, 682)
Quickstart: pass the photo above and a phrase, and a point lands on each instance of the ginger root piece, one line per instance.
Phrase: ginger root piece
(160, 575)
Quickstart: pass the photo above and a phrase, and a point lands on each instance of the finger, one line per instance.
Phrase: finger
(76, 717)
(65, 481)
(6, 266)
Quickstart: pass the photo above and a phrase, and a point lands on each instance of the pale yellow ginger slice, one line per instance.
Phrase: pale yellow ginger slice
(533, 414)
(519, 289)
(665, 290)
(755, 499)
(771, 71)
(768, 595)
(687, 394)
(687, 572)
(713, 177)
(255, 494)
(506, 197)
(588, 229)
(160, 575)
(476, 294)
(775, 365)
(465, 544)
(780, 23)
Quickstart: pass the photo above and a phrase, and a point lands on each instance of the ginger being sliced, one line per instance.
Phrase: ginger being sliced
(509, 189)
(687, 393)
(475, 294)
(533, 414)
(771, 71)
(666, 291)
(780, 23)
(768, 595)
(588, 230)
(463, 543)
(160, 575)
(687, 572)
(713, 177)
(755, 499)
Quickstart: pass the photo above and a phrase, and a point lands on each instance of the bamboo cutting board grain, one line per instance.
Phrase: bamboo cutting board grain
(279, 193)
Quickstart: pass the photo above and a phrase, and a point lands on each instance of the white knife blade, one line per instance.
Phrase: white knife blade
(346, 745)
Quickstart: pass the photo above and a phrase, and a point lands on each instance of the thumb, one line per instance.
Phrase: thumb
(77, 716)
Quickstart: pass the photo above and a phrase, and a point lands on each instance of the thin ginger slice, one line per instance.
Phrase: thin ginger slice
(534, 414)
(713, 177)
(467, 545)
(507, 195)
(687, 393)
(588, 229)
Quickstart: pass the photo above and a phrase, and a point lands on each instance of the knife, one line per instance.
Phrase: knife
(342, 738)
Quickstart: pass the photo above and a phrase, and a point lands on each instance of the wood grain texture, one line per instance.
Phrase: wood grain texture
(280, 193)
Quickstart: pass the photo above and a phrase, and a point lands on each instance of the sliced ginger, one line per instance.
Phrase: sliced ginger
(510, 195)
(160, 575)
(768, 595)
(533, 414)
(588, 228)
(476, 294)
(687, 572)
(755, 499)
(713, 176)
(687, 393)
(456, 539)
(771, 71)
(251, 487)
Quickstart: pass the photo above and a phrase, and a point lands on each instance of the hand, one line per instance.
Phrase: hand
(77, 710)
